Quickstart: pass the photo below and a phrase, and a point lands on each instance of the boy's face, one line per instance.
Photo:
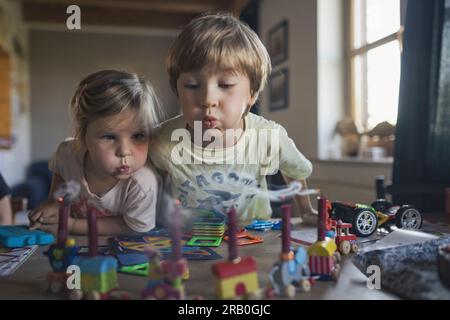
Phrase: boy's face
(217, 98)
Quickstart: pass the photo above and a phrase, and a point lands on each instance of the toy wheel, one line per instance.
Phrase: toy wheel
(46, 285)
(305, 286)
(364, 222)
(354, 247)
(408, 217)
(290, 291)
(160, 293)
(381, 205)
(56, 287)
(344, 247)
(93, 295)
(76, 295)
(336, 272)
(255, 295)
(337, 257)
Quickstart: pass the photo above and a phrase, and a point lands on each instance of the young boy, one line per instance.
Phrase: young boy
(217, 154)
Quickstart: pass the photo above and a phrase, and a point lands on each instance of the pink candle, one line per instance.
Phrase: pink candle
(176, 236)
(62, 225)
(322, 207)
(232, 230)
(286, 231)
(92, 226)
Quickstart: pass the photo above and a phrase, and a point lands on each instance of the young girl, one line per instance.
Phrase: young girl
(114, 113)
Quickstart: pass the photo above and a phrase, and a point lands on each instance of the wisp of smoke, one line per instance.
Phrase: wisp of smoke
(67, 192)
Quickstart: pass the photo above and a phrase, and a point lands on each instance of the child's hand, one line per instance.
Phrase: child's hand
(44, 216)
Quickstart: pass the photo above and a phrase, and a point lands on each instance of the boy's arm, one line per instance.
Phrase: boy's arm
(105, 226)
(303, 202)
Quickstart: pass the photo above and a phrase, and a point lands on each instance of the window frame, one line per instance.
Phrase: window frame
(353, 110)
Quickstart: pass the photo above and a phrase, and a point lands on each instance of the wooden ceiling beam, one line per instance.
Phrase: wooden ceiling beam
(103, 16)
(187, 6)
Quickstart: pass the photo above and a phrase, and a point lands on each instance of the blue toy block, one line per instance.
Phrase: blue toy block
(20, 236)
(95, 265)
(260, 225)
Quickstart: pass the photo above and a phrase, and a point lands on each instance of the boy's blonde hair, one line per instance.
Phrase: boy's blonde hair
(221, 40)
(110, 92)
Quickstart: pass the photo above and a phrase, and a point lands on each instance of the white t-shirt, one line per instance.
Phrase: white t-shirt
(134, 198)
(218, 178)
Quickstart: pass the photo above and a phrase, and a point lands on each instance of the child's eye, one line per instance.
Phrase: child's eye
(108, 137)
(191, 86)
(226, 85)
(139, 136)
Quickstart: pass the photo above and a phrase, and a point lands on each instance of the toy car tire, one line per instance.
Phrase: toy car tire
(76, 295)
(305, 286)
(354, 248)
(344, 247)
(336, 272)
(290, 291)
(410, 213)
(364, 222)
(56, 287)
(337, 257)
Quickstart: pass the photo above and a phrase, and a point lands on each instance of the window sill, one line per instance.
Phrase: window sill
(356, 160)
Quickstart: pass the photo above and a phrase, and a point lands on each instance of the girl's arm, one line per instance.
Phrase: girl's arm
(47, 211)
(5, 211)
(106, 226)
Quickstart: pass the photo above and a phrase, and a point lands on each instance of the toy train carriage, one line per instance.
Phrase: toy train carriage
(166, 280)
(236, 279)
(323, 261)
(98, 276)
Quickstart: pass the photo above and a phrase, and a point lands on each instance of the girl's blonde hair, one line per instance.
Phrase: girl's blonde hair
(221, 40)
(110, 92)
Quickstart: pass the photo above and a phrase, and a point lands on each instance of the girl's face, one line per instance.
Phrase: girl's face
(116, 146)
(217, 98)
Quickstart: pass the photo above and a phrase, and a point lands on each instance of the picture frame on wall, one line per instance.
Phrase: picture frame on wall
(279, 90)
(278, 42)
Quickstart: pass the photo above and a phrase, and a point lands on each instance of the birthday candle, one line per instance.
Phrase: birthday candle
(322, 207)
(62, 224)
(232, 230)
(176, 236)
(92, 226)
(286, 231)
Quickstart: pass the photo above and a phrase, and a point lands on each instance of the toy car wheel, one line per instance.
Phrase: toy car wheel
(344, 247)
(381, 205)
(337, 257)
(93, 295)
(255, 295)
(290, 291)
(56, 286)
(76, 295)
(364, 222)
(305, 286)
(354, 247)
(336, 272)
(408, 217)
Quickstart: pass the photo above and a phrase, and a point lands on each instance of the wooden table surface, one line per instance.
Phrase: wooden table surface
(27, 282)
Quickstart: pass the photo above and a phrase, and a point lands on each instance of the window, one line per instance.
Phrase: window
(374, 60)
